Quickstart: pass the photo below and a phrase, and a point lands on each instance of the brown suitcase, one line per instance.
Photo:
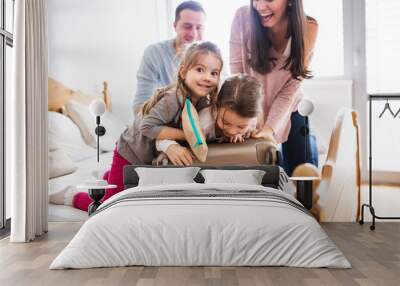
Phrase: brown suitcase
(250, 152)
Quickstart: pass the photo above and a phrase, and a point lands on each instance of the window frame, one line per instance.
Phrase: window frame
(355, 68)
(6, 39)
(379, 176)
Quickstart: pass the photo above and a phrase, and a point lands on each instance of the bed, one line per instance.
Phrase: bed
(201, 224)
(86, 169)
(72, 152)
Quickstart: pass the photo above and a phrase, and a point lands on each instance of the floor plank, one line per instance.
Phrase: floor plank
(375, 257)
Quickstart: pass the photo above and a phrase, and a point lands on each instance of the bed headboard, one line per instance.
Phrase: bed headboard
(59, 95)
(270, 179)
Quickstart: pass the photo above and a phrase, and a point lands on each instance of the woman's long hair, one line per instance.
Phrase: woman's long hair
(189, 60)
(260, 42)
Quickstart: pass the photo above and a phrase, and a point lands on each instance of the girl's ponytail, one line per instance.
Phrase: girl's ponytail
(242, 94)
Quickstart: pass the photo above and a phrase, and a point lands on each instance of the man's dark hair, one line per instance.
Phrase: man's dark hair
(191, 5)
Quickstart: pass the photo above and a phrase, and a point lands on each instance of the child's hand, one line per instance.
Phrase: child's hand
(179, 155)
(236, 139)
(248, 133)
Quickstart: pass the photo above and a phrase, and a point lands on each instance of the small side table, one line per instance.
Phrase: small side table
(96, 193)
(304, 190)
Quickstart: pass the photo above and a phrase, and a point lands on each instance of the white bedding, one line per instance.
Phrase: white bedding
(191, 230)
(86, 170)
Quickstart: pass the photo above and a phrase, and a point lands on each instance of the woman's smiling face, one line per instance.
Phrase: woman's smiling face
(271, 11)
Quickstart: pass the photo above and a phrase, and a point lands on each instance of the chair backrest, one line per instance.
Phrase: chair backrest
(339, 189)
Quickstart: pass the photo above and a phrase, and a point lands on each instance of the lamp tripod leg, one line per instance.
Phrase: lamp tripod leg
(98, 135)
(98, 147)
(306, 132)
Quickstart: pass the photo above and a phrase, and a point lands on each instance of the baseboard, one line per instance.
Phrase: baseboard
(5, 231)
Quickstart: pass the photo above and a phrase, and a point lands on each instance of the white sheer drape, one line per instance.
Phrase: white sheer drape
(28, 117)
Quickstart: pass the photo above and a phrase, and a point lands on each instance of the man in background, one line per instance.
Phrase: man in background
(160, 61)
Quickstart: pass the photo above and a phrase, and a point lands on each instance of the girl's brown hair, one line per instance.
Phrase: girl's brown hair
(242, 94)
(190, 59)
(260, 42)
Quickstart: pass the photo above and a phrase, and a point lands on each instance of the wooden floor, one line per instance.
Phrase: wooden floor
(374, 255)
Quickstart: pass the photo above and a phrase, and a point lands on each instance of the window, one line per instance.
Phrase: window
(6, 42)
(218, 31)
(383, 58)
(328, 58)
(383, 46)
(9, 12)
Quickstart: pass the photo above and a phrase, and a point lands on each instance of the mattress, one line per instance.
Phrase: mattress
(201, 225)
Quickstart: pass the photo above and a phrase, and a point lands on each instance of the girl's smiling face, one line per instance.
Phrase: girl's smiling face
(231, 124)
(203, 77)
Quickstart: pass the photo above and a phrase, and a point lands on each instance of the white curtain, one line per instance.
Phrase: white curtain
(28, 118)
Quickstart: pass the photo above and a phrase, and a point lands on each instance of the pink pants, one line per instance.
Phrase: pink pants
(113, 177)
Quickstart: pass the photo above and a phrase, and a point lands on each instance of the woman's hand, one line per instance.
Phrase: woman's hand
(179, 155)
(266, 133)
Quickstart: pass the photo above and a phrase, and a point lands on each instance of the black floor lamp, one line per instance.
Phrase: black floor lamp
(303, 183)
(97, 188)
(97, 108)
(306, 107)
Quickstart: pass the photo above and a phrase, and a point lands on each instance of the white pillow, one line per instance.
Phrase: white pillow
(66, 135)
(86, 122)
(52, 143)
(248, 177)
(60, 164)
(163, 176)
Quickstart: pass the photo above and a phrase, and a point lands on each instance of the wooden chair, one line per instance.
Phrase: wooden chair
(337, 196)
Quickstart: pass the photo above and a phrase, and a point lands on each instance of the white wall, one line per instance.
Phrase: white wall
(328, 96)
(97, 40)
